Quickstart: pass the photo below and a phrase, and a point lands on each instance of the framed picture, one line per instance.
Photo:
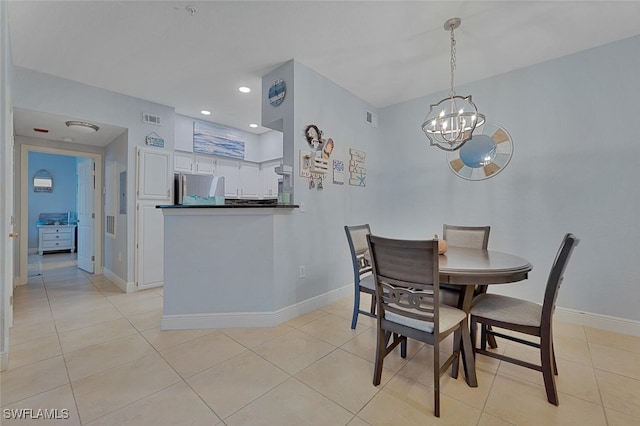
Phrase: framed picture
(209, 138)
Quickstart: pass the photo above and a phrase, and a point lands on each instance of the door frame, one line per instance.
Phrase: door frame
(24, 202)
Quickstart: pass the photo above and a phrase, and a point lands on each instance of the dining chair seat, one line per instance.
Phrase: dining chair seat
(368, 282)
(507, 309)
(449, 319)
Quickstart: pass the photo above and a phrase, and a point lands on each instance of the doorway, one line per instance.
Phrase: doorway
(89, 201)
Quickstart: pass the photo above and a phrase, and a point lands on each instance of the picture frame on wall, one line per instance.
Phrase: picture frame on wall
(213, 139)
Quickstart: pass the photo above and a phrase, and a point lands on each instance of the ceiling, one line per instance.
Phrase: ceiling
(194, 55)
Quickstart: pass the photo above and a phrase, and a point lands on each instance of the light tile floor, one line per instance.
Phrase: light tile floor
(79, 344)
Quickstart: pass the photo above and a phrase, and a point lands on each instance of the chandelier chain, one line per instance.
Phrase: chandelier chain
(453, 61)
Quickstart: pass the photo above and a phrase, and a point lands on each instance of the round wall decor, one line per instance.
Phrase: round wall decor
(277, 92)
(484, 155)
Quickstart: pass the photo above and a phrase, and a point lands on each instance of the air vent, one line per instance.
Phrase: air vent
(371, 118)
(111, 226)
(151, 119)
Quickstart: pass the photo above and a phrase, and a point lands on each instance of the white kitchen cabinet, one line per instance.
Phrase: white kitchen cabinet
(154, 182)
(269, 179)
(56, 237)
(230, 169)
(249, 180)
(205, 165)
(183, 162)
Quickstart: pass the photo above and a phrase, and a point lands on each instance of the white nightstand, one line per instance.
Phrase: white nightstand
(56, 237)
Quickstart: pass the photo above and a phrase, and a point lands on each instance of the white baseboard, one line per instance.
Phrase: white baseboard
(4, 361)
(603, 322)
(122, 284)
(252, 319)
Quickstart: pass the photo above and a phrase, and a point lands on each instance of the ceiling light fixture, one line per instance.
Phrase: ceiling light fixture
(82, 126)
(451, 122)
(205, 112)
(253, 125)
(244, 89)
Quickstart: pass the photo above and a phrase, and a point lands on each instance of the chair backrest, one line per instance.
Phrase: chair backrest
(466, 236)
(407, 277)
(556, 276)
(357, 239)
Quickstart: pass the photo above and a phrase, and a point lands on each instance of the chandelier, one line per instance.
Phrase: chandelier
(450, 122)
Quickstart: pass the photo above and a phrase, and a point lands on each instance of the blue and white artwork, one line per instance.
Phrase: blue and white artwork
(209, 138)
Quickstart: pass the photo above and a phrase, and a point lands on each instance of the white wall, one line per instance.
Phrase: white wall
(270, 145)
(574, 169)
(115, 259)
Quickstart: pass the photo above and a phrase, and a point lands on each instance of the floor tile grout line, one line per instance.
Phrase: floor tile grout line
(64, 360)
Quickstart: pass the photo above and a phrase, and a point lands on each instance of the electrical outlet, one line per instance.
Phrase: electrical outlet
(303, 271)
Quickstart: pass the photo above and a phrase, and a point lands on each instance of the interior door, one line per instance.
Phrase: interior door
(153, 188)
(86, 215)
(8, 223)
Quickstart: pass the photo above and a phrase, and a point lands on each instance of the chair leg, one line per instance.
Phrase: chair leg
(356, 308)
(380, 353)
(491, 339)
(468, 362)
(455, 367)
(403, 348)
(474, 333)
(436, 383)
(553, 354)
(547, 362)
(483, 337)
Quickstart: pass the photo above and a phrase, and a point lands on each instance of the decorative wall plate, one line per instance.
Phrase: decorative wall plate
(484, 155)
(277, 92)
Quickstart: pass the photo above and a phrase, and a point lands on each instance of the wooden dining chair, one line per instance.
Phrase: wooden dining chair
(526, 317)
(470, 237)
(407, 279)
(362, 276)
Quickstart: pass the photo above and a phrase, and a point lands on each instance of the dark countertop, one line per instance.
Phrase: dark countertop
(232, 206)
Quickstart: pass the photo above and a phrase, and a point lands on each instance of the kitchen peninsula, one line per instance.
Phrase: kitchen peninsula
(220, 264)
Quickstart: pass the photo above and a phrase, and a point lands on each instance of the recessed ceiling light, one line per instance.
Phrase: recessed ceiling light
(82, 126)
(205, 112)
(244, 89)
(253, 125)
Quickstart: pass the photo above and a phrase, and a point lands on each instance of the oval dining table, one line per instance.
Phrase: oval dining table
(468, 268)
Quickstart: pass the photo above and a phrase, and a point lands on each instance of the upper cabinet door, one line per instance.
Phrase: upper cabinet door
(183, 162)
(205, 165)
(154, 182)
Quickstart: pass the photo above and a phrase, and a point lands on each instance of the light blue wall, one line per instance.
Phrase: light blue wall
(575, 169)
(316, 237)
(65, 189)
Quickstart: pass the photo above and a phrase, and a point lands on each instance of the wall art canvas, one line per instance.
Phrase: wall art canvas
(209, 138)
(357, 171)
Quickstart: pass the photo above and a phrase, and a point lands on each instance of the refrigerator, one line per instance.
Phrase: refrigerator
(198, 190)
